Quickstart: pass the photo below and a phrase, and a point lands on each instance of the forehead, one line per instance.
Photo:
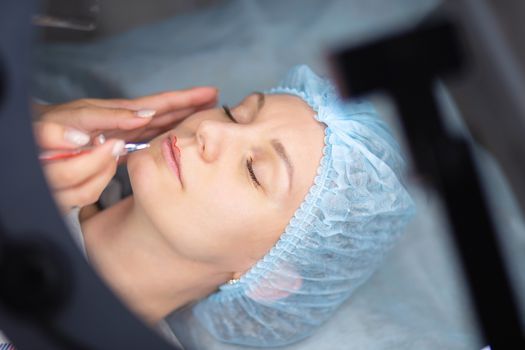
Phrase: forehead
(289, 117)
(288, 109)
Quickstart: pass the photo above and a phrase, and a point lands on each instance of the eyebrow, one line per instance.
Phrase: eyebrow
(281, 152)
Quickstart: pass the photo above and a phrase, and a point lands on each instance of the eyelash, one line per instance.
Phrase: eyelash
(249, 165)
(249, 162)
(229, 114)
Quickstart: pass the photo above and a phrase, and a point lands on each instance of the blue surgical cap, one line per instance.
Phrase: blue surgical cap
(352, 214)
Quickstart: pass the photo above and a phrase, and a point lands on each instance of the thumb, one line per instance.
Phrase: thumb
(55, 136)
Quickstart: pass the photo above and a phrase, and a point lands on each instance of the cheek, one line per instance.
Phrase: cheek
(219, 212)
(224, 229)
(204, 222)
(238, 230)
(219, 222)
(210, 229)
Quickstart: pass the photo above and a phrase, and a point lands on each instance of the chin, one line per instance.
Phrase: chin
(142, 171)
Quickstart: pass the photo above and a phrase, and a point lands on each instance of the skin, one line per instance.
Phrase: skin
(175, 241)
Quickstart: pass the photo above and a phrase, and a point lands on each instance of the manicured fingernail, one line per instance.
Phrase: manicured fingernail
(118, 148)
(76, 137)
(101, 139)
(146, 113)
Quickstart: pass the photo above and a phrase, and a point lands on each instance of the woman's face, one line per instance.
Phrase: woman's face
(236, 183)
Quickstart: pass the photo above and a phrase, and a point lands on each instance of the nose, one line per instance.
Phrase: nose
(213, 137)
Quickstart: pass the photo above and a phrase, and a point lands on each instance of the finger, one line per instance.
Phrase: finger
(100, 139)
(55, 136)
(212, 104)
(144, 135)
(87, 192)
(94, 119)
(152, 133)
(129, 136)
(166, 101)
(74, 171)
(165, 122)
(171, 118)
(160, 124)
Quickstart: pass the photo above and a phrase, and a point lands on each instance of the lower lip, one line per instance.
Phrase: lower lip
(168, 153)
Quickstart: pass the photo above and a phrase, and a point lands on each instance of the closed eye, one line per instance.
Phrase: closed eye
(249, 166)
(228, 113)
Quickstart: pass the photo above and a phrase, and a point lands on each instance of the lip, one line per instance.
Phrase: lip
(171, 154)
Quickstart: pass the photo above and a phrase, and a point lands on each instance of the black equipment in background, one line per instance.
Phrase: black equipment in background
(49, 296)
(407, 66)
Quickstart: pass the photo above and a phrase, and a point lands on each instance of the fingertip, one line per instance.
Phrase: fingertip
(76, 137)
(100, 139)
(112, 147)
(145, 113)
(118, 148)
(205, 95)
(212, 90)
(138, 119)
(201, 91)
(51, 135)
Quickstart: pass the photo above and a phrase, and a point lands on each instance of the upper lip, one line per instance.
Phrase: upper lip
(175, 152)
